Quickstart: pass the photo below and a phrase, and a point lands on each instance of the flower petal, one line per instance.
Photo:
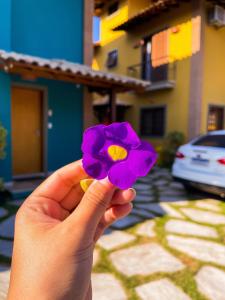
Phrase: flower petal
(95, 168)
(142, 159)
(93, 139)
(124, 133)
(121, 176)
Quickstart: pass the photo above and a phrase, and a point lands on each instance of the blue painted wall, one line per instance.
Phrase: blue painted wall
(64, 139)
(5, 24)
(51, 29)
(48, 28)
(5, 113)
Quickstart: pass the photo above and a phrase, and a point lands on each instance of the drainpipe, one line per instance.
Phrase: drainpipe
(196, 75)
(88, 114)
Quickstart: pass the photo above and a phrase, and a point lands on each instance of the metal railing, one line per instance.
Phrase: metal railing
(145, 71)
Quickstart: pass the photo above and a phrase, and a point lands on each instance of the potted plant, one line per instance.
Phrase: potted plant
(169, 148)
(4, 194)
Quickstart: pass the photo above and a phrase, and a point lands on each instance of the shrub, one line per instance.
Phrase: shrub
(169, 148)
(3, 134)
(1, 185)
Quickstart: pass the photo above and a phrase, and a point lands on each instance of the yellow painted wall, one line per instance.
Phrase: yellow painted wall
(95, 65)
(214, 71)
(107, 35)
(180, 44)
(176, 100)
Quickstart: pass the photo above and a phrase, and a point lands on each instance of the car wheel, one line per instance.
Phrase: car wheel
(188, 187)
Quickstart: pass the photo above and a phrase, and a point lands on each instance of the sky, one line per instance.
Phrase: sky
(96, 29)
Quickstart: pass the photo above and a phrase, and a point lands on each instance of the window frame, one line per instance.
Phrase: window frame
(117, 58)
(143, 61)
(215, 106)
(164, 107)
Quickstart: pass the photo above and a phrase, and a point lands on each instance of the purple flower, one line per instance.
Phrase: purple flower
(117, 152)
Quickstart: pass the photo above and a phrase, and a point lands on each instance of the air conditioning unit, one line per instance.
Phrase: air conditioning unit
(217, 16)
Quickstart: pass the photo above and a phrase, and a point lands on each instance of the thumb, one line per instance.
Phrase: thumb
(93, 205)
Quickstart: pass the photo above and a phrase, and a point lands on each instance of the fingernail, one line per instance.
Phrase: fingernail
(133, 191)
(105, 181)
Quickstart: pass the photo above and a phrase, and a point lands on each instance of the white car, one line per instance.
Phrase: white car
(201, 163)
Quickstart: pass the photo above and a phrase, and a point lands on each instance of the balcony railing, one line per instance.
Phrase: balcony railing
(161, 78)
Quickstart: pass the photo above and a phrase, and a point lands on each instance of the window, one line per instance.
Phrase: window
(153, 121)
(214, 140)
(153, 74)
(112, 59)
(215, 118)
(113, 8)
(102, 113)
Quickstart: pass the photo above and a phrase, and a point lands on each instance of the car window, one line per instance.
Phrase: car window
(211, 141)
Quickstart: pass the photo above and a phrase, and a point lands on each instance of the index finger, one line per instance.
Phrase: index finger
(59, 184)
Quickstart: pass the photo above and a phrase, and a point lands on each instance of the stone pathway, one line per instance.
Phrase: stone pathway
(189, 228)
(107, 287)
(95, 257)
(162, 289)
(204, 216)
(211, 282)
(170, 250)
(3, 212)
(7, 227)
(4, 281)
(115, 239)
(127, 222)
(171, 211)
(209, 206)
(145, 259)
(199, 249)
(16, 202)
(147, 229)
(6, 248)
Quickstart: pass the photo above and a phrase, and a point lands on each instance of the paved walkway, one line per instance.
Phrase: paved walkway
(170, 247)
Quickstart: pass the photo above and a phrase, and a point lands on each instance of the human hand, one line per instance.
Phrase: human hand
(55, 233)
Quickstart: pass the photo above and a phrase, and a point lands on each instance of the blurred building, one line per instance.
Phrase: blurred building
(46, 84)
(179, 47)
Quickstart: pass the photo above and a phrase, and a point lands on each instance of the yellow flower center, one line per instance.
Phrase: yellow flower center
(117, 152)
(85, 183)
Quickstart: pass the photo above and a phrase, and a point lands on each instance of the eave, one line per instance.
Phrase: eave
(154, 10)
(35, 67)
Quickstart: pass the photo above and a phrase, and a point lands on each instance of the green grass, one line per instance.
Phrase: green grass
(183, 279)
